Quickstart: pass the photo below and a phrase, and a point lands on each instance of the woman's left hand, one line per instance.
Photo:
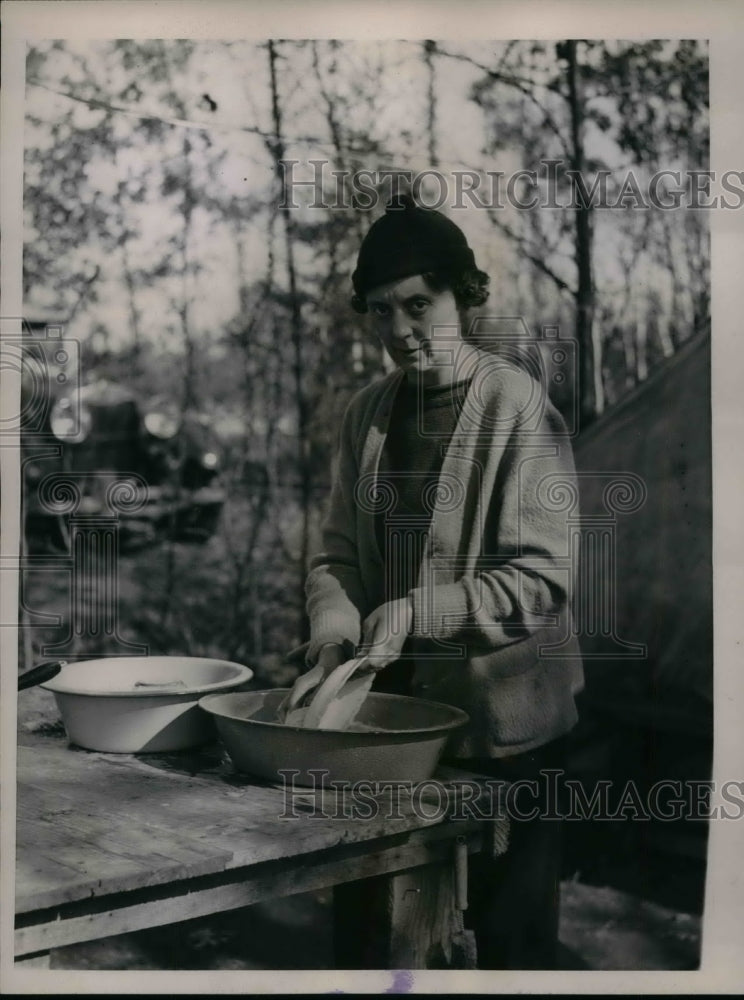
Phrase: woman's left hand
(385, 631)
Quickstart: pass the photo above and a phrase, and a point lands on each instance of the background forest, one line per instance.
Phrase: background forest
(154, 186)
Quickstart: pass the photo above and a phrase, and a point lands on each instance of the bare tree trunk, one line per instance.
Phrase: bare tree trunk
(129, 283)
(189, 386)
(641, 336)
(134, 317)
(244, 547)
(629, 353)
(277, 146)
(696, 266)
(677, 318)
(188, 393)
(590, 379)
(430, 48)
(363, 352)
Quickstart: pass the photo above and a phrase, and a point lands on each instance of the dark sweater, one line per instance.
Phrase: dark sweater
(422, 423)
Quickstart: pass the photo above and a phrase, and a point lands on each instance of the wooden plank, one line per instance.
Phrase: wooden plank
(426, 926)
(144, 841)
(39, 961)
(129, 788)
(402, 921)
(66, 853)
(63, 859)
(407, 920)
(227, 817)
(235, 889)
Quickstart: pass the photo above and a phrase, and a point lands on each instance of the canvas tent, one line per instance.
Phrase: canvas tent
(661, 587)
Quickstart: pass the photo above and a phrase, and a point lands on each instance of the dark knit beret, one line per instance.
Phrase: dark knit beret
(410, 240)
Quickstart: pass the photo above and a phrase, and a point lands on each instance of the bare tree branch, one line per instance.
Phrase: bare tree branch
(532, 257)
(524, 86)
(84, 291)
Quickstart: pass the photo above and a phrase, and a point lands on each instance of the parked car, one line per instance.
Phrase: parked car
(104, 433)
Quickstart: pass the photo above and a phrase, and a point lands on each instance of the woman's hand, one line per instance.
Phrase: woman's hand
(385, 631)
(332, 655)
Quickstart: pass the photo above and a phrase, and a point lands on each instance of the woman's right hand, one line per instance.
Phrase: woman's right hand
(332, 655)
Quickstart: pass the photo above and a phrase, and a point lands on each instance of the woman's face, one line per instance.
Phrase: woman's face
(419, 328)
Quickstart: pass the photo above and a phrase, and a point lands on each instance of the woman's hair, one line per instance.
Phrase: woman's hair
(469, 287)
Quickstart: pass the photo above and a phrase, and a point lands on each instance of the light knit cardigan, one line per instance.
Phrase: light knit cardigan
(499, 521)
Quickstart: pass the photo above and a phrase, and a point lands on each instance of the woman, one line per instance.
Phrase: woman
(444, 556)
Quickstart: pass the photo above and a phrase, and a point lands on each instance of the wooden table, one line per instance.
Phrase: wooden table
(108, 844)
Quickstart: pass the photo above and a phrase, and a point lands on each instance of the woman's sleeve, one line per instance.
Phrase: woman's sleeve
(334, 590)
(525, 577)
